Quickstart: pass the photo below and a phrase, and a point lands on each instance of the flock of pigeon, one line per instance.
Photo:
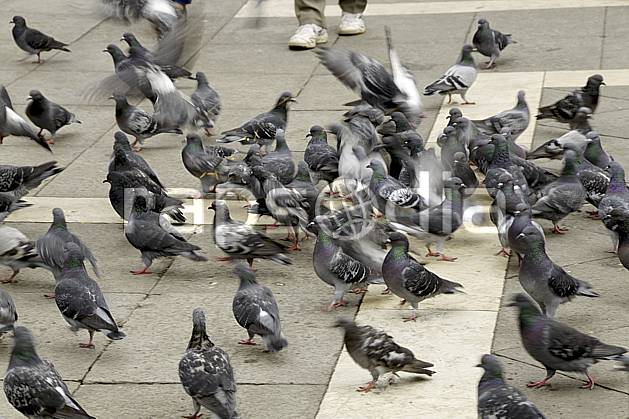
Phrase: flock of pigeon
(360, 198)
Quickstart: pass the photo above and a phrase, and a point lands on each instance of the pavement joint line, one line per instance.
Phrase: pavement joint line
(603, 36)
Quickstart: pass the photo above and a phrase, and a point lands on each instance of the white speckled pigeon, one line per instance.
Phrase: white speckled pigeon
(387, 191)
(457, 79)
(19, 180)
(32, 40)
(48, 115)
(490, 42)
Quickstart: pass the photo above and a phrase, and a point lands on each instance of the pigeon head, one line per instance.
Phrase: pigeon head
(115, 52)
(617, 182)
(466, 55)
(73, 256)
(58, 218)
(200, 78)
(35, 96)
(199, 339)
(317, 132)
(140, 205)
(246, 275)
(24, 353)
(345, 323)
(504, 179)
(593, 137)
(18, 21)
(398, 239)
(121, 100)
(498, 140)
(533, 239)
(130, 39)
(594, 80)
(482, 23)
(587, 112)
(193, 139)
(460, 157)
(454, 113)
(491, 365)
(528, 309)
(284, 99)
(401, 122)
(121, 140)
(377, 167)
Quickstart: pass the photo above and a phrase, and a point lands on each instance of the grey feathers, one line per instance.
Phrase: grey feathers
(48, 115)
(458, 78)
(490, 42)
(8, 313)
(13, 124)
(32, 40)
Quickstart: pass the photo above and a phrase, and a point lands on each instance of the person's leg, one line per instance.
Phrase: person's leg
(352, 22)
(310, 11)
(353, 6)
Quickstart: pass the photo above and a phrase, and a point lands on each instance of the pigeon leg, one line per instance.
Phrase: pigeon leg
(593, 215)
(90, 344)
(50, 296)
(413, 316)
(39, 61)
(543, 383)
(503, 252)
(224, 258)
(449, 98)
(136, 146)
(144, 271)
(247, 342)
(359, 290)
(402, 301)
(387, 291)
(11, 279)
(366, 388)
(50, 141)
(197, 409)
(558, 230)
(431, 253)
(590, 384)
(1, 139)
(446, 258)
(490, 63)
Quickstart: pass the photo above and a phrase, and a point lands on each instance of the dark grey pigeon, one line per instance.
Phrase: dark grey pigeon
(17, 252)
(9, 203)
(206, 373)
(559, 347)
(19, 180)
(490, 42)
(80, 300)
(449, 145)
(172, 70)
(51, 245)
(554, 148)
(8, 313)
(453, 115)
(503, 208)
(499, 400)
(280, 161)
(375, 351)
(457, 79)
(32, 40)
(263, 127)
(13, 124)
(565, 109)
(48, 115)
(256, 310)
(205, 97)
(145, 233)
(34, 387)
(545, 281)
(522, 219)
(408, 279)
(138, 123)
(562, 196)
(132, 160)
(462, 170)
(322, 159)
(208, 164)
(516, 119)
(242, 241)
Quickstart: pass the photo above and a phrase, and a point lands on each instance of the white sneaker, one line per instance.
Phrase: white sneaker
(308, 36)
(352, 24)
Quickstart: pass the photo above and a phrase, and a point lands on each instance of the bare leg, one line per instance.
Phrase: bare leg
(544, 382)
(413, 316)
(558, 230)
(366, 388)
(196, 414)
(465, 101)
(590, 384)
(90, 344)
(247, 342)
(11, 279)
(503, 252)
(144, 271)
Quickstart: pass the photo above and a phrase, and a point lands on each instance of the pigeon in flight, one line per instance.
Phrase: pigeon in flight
(48, 115)
(490, 42)
(457, 79)
(32, 40)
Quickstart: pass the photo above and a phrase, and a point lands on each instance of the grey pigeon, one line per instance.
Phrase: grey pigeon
(145, 233)
(17, 252)
(322, 159)
(138, 123)
(505, 204)
(499, 400)
(623, 250)
(554, 148)
(19, 180)
(594, 151)
(172, 70)
(450, 144)
(206, 373)
(302, 184)
(559, 347)
(387, 191)
(375, 351)
(205, 97)
(80, 300)
(8, 313)
(48, 115)
(522, 219)
(13, 124)
(490, 42)
(545, 281)
(256, 310)
(131, 160)
(34, 387)
(565, 109)
(208, 164)
(130, 75)
(616, 197)
(51, 245)
(462, 170)
(32, 40)
(408, 279)
(263, 127)
(457, 79)
(280, 161)
(562, 196)
(516, 119)
(242, 241)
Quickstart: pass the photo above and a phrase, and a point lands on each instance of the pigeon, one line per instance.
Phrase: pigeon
(256, 310)
(375, 351)
(50, 246)
(545, 281)
(171, 70)
(130, 74)
(562, 196)
(131, 160)
(80, 300)
(8, 313)
(145, 233)
(564, 110)
(20, 180)
(457, 79)
(450, 144)
(581, 120)
(34, 387)
(302, 185)
(205, 163)
(322, 159)
(206, 98)
(594, 152)
(280, 161)
(557, 346)
(516, 119)
(137, 123)
(408, 279)
(17, 252)
(399, 155)
(490, 42)
(616, 197)
(13, 124)
(242, 241)
(554, 148)
(206, 373)
(521, 219)
(385, 190)
(462, 170)
(499, 400)
(263, 127)
(160, 13)
(32, 40)
(48, 115)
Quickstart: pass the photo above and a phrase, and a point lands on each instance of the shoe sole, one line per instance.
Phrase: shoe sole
(351, 32)
(303, 46)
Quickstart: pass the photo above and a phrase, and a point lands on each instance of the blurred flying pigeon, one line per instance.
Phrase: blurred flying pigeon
(564, 110)
(545, 281)
(34, 387)
(256, 310)
(13, 124)
(160, 13)
(263, 127)
(408, 279)
(32, 40)
(80, 300)
(206, 373)
(206, 98)
(19, 180)
(130, 73)
(322, 159)
(242, 241)
(9, 203)
(17, 252)
(557, 346)
(8, 313)
(48, 115)
(145, 233)
(457, 79)
(497, 399)
(375, 351)
(490, 42)
(172, 70)
(205, 163)
(516, 119)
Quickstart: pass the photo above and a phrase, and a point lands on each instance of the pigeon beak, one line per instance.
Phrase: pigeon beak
(474, 49)
(105, 181)
(500, 185)
(479, 365)
(603, 83)
(519, 236)
(104, 50)
(29, 98)
(292, 99)
(309, 135)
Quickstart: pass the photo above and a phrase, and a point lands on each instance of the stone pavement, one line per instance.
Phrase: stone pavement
(245, 57)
